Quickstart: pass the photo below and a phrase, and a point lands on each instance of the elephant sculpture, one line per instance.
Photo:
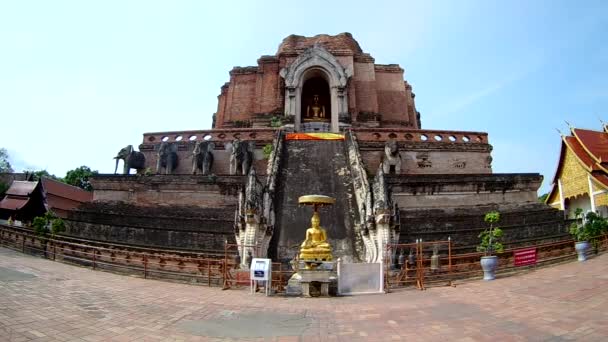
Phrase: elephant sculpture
(241, 157)
(202, 157)
(132, 160)
(167, 158)
(391, 163)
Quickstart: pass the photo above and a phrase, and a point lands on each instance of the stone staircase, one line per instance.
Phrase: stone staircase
(314, 167)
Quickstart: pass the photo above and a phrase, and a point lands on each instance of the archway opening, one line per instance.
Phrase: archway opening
(316, 99)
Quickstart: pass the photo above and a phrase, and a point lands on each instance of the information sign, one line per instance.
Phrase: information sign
(524, 257)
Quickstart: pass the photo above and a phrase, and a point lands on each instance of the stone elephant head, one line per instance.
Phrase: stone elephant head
(202, 157)
(241, 157)
(131, 159)
(167, 158)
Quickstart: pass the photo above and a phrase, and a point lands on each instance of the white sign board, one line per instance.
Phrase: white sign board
(360, 278)
(261, 269)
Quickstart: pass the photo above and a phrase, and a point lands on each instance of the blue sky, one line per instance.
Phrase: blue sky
(81, 79)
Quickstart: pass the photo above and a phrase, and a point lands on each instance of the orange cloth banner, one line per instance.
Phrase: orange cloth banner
(314, 136)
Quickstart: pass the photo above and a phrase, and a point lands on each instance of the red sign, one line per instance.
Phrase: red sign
(525, 257)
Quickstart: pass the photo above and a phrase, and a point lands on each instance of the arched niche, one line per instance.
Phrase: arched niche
(316, 62)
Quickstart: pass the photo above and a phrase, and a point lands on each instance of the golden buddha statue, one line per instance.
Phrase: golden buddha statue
(315, 247)
(316, 110)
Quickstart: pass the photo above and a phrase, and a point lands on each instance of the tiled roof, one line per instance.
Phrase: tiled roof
(591, 150)
(59, 189)
(601, 177)
(13, 203)
(21, 188)
(595, 143)
(580, 153)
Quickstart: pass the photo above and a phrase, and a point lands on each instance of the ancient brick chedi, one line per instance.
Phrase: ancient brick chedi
(318, 117)
(352, 88)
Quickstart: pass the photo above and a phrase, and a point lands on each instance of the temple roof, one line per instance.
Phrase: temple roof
(67, 191)
(591, 150)
(342, 41)
(13, 203)
(18, 195)
(58, 195)
(21, 188)
(594, 143)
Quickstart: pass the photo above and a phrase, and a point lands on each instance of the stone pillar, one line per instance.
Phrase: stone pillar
(561, 194)
(335, 109)
(591, 195)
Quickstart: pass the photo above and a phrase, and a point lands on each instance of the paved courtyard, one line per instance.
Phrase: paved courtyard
(42, 300)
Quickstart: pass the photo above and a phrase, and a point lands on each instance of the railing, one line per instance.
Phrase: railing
(165, 264)
(419, 269)
(430, 264)
(219, 268)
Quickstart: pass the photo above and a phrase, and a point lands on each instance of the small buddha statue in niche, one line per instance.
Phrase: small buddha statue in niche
(315, 110)
(315, 246)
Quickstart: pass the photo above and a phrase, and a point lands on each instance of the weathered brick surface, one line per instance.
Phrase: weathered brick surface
(365, 85)
(187, 227)
(373, 88)
(392, 101)
(532, 224)
(167, 190)
(340, 42)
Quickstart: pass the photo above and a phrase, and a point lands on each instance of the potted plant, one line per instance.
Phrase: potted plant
(490, 243)
(580, 233)
(596, 226)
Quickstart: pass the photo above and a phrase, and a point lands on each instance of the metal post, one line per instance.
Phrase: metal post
(145, 266)
(450, 259)
(94, 258)
(208, 272)
(224, 270)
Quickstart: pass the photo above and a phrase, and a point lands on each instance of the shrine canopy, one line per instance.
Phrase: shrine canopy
(581, 178)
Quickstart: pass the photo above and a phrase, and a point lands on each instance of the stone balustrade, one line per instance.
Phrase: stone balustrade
(420, 135)
(215, 135)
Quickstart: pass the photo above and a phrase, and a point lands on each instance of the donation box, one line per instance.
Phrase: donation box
(260, 269)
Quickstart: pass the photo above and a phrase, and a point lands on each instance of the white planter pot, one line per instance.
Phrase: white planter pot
(489, 264)
(581, 247)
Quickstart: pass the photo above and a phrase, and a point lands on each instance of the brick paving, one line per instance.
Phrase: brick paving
(42, 300)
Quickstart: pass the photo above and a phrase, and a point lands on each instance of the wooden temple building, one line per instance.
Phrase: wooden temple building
(581, 178)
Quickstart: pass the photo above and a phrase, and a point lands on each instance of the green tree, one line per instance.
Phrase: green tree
(3, 188)
(47, 226)
(542, 198)
(5, 165)
(490, 238)
(80, 177)
(37, 175)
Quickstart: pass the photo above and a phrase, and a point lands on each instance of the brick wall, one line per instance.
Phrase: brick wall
(392, 101)
(525, 225)
(364, 82)
(157, 190)
(453, 190)
(180, 227)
